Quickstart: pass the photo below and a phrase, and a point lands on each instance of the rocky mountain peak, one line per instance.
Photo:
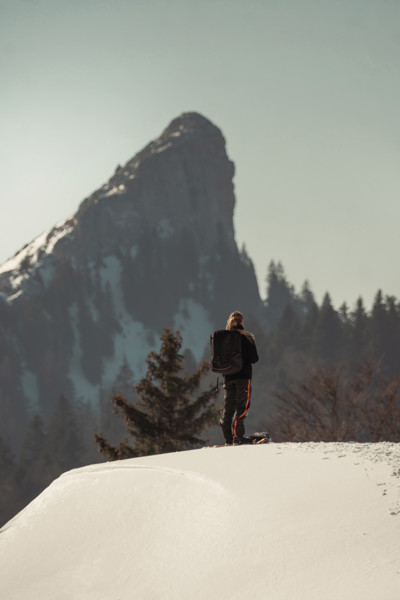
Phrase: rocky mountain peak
(153, 247)
(175, 185)
(184, 177)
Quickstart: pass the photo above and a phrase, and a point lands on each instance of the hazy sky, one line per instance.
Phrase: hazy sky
(307, 94)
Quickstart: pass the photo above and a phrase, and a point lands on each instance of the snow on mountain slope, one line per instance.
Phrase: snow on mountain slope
(153, 247)
(276, 522)
(35, 256)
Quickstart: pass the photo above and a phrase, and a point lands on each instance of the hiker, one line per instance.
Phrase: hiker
(237, 386)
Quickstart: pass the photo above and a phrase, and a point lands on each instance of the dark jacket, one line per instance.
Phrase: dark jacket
(250, 356)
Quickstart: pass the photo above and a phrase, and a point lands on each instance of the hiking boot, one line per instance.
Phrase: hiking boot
(242, 440)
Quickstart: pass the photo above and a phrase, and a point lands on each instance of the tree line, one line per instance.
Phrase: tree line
(303, 334)
(307, 342)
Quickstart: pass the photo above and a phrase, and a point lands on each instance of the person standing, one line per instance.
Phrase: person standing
(237, 386)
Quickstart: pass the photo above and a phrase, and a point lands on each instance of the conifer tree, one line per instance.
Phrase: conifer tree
(289, 328)
(327, 333)
(306, 299)
(167, 417)
(286, 335)
(377, 327)
(279, 292)
(392, 335)
(359, 320)
(308, 327)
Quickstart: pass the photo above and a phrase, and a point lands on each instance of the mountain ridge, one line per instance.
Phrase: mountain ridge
(153, 247)
(124, 176)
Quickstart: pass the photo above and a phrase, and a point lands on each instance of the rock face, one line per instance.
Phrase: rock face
(154, 247)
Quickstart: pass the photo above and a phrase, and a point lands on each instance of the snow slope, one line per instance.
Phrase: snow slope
(276, 522)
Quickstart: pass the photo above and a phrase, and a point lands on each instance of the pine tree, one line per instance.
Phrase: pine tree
(309, 326)
(358, 340)
(166, 417)
(392, 335)
(327, 335)
(305, 300)
(379, 329)
(279, 292)
(286, 335)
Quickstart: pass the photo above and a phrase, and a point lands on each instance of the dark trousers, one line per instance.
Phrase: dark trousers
(236, 404)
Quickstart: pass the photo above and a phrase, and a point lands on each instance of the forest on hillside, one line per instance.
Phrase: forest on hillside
(332, 355)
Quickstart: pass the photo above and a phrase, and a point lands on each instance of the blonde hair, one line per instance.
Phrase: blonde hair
(235, 319)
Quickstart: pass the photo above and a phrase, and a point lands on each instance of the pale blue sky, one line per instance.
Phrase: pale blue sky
(305, 92)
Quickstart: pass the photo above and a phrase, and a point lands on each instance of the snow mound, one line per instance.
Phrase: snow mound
(276, 522)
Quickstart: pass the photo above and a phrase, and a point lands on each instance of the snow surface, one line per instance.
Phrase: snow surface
(31, 389)
(165, 229)
(135, 340)
(36, 252)
(115, 191)
(275, 522)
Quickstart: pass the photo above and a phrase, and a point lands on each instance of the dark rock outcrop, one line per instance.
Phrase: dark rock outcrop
(153, 247)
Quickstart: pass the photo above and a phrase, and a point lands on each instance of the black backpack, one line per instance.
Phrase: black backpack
(226, 352)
